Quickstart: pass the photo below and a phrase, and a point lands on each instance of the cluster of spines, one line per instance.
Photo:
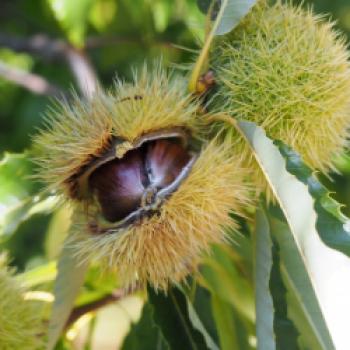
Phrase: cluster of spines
(78, 130)
(165, 248)
(287, 70)
(20, 325)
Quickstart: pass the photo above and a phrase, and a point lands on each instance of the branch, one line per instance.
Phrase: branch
(39, 45)
(44, 47)
(32, 82)
(84, 73)
(97, 304)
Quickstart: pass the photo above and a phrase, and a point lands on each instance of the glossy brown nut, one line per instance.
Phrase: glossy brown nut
(164, 161)
(120, 184)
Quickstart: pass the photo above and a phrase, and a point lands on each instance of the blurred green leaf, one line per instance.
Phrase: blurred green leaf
(98, 283)
(57, 231)
(41, 274)
(21, 60)
(102, 13)
(161, 14)
(15, 170)
(178, 322)
(232, 332)
(73, 17)
(342, 163)
(17, 200)
(70, 278)
(23, 211)
(221, 276)
(263, 299)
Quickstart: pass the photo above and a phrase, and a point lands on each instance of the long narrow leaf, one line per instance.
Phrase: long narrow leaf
(304, 309)
(70, 278)
(331, 224)
(320, 263)
(263, 298)
(231, 328)
(287, 336)
(222, 277)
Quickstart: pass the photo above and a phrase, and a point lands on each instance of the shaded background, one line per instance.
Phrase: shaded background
(37, 37)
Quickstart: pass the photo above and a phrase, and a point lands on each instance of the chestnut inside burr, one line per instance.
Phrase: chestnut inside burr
(137, 184)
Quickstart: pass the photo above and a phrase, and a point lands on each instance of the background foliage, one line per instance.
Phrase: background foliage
(116, 35)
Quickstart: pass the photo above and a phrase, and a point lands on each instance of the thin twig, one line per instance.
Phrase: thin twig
(39, 45)
(46, 48)
(32, 82)
(97, 304)
(84, 73)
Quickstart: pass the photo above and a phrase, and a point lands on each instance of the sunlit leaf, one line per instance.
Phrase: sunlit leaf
(15, 170)
(231, 330)
(316, 261)
(73, 17)
(112, 322)
(70, 278)
(161, 14)
(41, 274)
(102, 13)
(332, 226)
(221, 276)
(57, 231)
(17, 193)
(97, 284)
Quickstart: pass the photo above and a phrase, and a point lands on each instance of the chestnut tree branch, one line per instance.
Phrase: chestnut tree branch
(83, 71)
(42, 46)
(38, 45)
(113, 297)
(32, 82)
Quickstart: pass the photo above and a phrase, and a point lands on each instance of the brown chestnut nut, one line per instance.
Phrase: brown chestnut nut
(141, 179)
